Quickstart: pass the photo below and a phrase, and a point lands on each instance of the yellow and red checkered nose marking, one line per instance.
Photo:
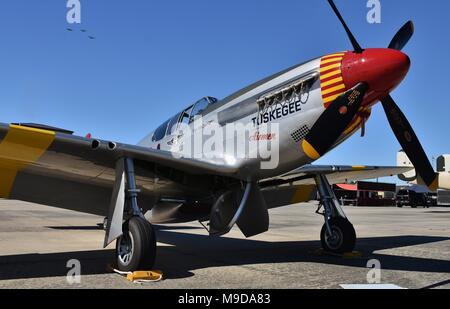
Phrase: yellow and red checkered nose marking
(331, 80)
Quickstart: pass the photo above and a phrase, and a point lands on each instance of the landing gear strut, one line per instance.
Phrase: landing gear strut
(135, 236)
(337, 234)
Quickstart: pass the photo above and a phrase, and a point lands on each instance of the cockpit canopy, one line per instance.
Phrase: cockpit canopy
(187, 116)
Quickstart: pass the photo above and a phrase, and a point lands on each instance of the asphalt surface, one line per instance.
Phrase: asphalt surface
(412, 245)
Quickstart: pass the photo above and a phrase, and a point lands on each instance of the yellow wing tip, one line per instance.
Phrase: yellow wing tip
(25, 145)
(29, 129)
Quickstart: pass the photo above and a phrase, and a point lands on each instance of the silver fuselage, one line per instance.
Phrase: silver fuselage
(297, 114)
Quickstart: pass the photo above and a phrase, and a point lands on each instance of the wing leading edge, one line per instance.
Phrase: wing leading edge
(335, 174)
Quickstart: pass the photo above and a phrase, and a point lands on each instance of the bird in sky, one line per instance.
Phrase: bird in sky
(82, 30)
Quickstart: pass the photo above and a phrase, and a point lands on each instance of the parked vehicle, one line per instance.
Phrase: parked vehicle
(443, 197)
(432, 199)
(411, 198)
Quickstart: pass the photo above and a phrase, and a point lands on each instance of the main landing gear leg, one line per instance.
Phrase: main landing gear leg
(337, 234)
(135, 236)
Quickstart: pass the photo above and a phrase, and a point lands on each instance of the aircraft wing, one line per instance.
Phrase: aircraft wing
(299, 185)
(49, 166)
(337, 173)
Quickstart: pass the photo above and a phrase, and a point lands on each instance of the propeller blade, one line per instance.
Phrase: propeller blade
(350, 35)
(333, 122)
(402, 37)
(409, 141)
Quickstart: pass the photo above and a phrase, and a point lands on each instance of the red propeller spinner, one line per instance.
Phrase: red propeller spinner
(383, 69)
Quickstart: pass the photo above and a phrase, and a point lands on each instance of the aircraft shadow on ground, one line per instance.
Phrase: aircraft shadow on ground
(100, 227)
(75, 228)
(437, 212)
(188, 252)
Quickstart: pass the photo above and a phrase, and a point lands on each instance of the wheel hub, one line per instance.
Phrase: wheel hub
(335, 240)
(125, 248)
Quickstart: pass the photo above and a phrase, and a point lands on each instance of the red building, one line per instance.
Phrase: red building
(365, 193)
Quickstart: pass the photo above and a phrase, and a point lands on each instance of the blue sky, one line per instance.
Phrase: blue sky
(151, 58)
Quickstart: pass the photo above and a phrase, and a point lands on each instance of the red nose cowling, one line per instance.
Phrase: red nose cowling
(382, 69)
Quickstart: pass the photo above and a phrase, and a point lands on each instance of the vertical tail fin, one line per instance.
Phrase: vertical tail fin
(442, 175)
(403, 160)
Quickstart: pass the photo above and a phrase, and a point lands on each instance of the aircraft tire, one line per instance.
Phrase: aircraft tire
(136, 248)
(344, 236)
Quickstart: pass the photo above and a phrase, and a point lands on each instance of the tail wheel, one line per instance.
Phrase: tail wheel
(342, 238)
(136, 248)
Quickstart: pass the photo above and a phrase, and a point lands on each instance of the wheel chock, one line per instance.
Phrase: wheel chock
(145, 276)
(140, 276)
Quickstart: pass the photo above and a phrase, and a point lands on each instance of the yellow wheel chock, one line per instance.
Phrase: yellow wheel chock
(145, 276)
(139, 276)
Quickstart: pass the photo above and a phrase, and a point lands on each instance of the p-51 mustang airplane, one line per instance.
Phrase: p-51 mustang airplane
(318, 105)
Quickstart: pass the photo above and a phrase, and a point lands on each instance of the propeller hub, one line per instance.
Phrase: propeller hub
(382, 69)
